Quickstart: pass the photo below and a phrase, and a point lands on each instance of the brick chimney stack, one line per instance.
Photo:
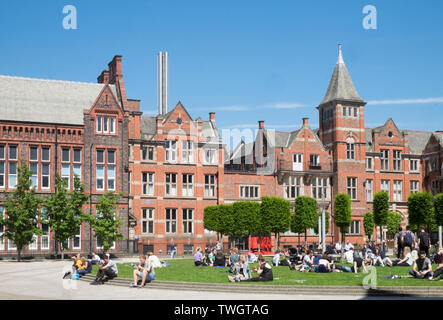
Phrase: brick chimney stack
(104, 77)
(305, 121)
(212, 116)
(261, 124)
(115, 69)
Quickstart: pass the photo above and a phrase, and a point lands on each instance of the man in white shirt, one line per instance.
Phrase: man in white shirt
(338, 247)
(349, 246)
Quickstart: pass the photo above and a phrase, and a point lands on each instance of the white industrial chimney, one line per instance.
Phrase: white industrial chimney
(163, 83)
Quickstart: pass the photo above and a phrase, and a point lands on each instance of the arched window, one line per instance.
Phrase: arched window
(350, 149)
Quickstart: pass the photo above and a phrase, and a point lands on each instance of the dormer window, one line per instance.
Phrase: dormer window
(105, 125)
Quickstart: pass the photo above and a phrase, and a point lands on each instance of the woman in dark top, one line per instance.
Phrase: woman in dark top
(220, 260)
(264, 272)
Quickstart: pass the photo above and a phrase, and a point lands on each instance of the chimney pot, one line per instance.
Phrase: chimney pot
(212, 116)
(305, 121)
(104, 77)
(261, 124)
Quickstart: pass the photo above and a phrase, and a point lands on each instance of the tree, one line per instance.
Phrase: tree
(210, 219)
(368, 223)
(343, 213)
(438, 212)
(247, 215)
(305, 214)
(63, 210)
(22, 211)
(421, 210)
(381, 210)
(275, 213)
(393, 222)
(106, 224)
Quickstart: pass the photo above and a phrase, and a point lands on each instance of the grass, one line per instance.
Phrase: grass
(183, 270)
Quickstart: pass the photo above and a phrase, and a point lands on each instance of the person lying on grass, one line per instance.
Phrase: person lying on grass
(422, 267)
(264, 271)
(358, 263)
(145, 271)
(324, 266)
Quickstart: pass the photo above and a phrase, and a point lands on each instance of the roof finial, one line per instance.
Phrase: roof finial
(340, 56)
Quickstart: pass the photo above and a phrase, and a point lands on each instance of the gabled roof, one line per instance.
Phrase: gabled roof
(47, 101)
(417, 140)
(341, 86)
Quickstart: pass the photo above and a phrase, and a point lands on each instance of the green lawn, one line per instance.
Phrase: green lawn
(184, 270)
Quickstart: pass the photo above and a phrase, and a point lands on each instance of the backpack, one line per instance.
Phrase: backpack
(407, 239)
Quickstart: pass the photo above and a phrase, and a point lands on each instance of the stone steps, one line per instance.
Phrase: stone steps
(283, 289)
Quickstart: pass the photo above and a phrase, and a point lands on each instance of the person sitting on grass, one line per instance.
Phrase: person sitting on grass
(276, 258)
(233, 259)
(109, 269)
(385, 261)
(154, 260)
(211, 257)
(422, 267)
(407, 261)
(359, 262)
(349, 246)
(264, 271)
(316, 258)
(438, 259)
(252, 258)
(308, 263)
(220, 259)
(198, 258)
(145, 271)
(242, 272)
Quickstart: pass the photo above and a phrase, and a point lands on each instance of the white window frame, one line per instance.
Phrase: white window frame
(187, 151)
(35, 175)
(369, 163)
(355, 224)
(187, 223)
(171, 151)
(414, 186)
(249, 192)
(46, 176)
(293, 186)
(398, 190)
(99, 124)
(148, 184)
(187, 185)
(110, 177)
(384, 160)
(210, 188)
(351, 188)
(171, 185)
(97, 177)
(45, 237)
(414, 165)
(350, 151)
(316, 158)
(170, 222)
(12, 176)
(210, 155)
(112, 125)
(297, 161)
(146, 152)
(68, 176)
(33, 245)
(11, 245)
(78, 235)
(369, 190)
(148, 216)
(396, 162)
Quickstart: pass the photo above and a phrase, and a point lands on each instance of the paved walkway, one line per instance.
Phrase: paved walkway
(43, 280)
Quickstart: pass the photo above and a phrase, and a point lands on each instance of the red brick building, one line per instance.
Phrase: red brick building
(171, 166)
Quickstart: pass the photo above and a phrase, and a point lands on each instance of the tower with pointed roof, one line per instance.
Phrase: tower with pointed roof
(342, 131)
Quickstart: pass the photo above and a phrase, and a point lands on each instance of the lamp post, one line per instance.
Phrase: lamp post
(323, 219)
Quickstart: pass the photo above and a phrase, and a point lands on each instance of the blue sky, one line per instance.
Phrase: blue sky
(245, 60)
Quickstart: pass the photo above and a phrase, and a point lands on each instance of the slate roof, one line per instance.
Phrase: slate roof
(46, 101)
(341, 86)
